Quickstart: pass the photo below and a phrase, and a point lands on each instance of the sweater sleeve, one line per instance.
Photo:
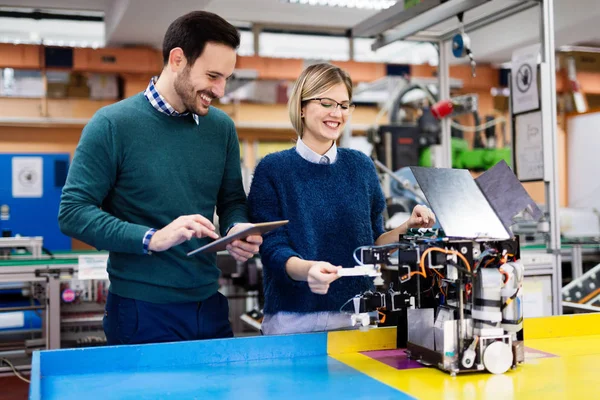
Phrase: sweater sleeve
(92, 174)
(231, 200)
(264, 206)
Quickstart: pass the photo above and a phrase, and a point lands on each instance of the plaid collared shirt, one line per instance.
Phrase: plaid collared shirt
(161, 104)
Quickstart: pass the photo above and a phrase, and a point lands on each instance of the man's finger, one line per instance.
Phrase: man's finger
(210, 233)
(201, 230)
(203, 220)
(184, 233)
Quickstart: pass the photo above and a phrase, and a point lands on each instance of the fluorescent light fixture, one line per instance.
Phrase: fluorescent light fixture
(399, 52)
(52, 32)
(360, 4)
(308, 47)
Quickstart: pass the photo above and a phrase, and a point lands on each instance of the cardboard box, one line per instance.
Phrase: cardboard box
(584, 61)
(104, 86)
(78, 92)
(56, 90)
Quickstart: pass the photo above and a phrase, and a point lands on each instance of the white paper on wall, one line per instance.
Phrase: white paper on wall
(27, 177)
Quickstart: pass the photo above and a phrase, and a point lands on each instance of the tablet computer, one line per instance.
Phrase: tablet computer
(221, 244)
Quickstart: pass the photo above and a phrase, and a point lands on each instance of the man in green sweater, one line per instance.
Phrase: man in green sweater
(146, 178)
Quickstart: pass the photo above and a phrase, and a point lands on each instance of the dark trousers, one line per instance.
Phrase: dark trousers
(129, 321)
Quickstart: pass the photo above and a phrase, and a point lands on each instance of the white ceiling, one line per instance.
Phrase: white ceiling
(129, 22)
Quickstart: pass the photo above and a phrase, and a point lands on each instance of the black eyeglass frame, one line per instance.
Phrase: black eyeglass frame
(349, 107)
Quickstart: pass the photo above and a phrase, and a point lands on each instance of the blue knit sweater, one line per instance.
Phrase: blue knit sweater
(332, 209)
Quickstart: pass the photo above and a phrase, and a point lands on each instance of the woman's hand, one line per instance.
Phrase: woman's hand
(320, 276)
(421, 217)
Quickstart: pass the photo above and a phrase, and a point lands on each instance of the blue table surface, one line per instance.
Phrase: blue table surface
(278, 367)
(318, 377)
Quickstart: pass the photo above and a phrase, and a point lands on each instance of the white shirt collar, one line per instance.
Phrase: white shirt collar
(311, 156)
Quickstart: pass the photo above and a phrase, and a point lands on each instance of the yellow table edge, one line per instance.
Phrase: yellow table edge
(384, 338)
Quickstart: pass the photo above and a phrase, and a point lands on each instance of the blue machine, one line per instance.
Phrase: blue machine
(30, 190)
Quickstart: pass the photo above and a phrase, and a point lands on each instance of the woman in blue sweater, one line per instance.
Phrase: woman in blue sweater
(333, 200)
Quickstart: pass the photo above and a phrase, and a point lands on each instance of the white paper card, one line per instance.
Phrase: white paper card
(529, 146)
(27, 177)
(524, 90)
(92, 267)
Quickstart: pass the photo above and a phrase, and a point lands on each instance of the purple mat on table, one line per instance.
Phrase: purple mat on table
(394, 358)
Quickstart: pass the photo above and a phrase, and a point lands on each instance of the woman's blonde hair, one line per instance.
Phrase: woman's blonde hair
(314, 80)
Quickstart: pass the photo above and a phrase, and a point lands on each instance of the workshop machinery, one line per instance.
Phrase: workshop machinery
(457, 293)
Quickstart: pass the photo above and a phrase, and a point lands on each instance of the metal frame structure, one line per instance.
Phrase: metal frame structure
(33, 244)
(398, 23)
(51, 276)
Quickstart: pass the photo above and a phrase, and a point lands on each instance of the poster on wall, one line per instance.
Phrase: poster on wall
(529, 147)
(524, 90)
(27, 177)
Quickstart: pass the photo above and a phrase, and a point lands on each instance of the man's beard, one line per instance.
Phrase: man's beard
(186, 93)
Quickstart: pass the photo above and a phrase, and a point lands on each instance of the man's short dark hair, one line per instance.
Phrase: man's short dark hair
(192, 31)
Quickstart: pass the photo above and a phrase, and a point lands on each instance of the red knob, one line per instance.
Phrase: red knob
(442, 109)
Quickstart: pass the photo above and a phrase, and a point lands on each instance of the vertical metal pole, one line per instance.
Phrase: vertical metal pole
(387, 143)
(256, 29)
(461, 314)
(549, 121)
(53, 313)
(576, 262)
(444, 82)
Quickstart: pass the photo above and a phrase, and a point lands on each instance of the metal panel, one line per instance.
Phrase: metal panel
(506, 194)
(460, 207)
(413, 20)
(387, 19)
(420, 327)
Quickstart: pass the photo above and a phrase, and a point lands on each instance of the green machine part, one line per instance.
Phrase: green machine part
(472, 159)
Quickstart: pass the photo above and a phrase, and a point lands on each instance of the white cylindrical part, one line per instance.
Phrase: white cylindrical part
(497, 357)
(486, 294)
(468, 358)
(512, 297)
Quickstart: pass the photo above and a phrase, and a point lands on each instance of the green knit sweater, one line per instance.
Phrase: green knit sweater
(136, 168)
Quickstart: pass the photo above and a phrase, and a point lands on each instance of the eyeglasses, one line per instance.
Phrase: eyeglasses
(345, 108)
